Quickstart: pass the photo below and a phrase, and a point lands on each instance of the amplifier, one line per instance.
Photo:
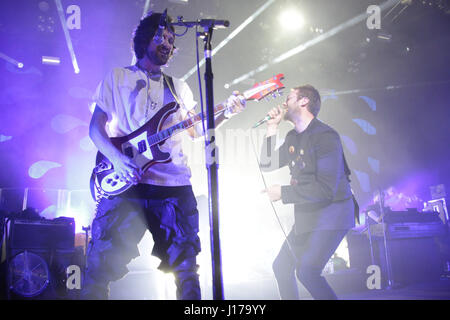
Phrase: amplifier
(58, 233)
(410, 215)
(409, 224)
(408, 230)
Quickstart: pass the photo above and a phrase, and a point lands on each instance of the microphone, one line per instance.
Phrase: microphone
(267, 118)
(158, 38)
(260, 122)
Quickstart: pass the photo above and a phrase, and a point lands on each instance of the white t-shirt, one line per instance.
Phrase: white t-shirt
(125, 95)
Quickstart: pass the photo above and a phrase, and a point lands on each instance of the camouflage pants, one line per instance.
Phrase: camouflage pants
(169, 213)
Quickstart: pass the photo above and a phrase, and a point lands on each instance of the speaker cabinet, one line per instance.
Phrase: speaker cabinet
(38, 274)
(38, 254)
(42, 234)
(413, 259)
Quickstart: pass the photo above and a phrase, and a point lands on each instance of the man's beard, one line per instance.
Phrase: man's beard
(287, 115)
(157, 59)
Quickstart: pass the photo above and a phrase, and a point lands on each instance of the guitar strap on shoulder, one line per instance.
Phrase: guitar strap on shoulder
(170, 85)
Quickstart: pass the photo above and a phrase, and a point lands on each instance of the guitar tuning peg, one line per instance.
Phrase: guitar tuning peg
(280, 92)
(267, 98)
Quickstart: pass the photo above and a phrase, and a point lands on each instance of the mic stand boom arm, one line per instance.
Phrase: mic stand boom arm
(204, 23)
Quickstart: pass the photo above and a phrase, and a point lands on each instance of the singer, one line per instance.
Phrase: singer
(161, 199)
(319, 189)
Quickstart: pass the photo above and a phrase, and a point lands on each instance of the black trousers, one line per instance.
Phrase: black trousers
(169, 213)
(312, 251)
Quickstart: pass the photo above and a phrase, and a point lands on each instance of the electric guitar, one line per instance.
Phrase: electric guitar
(143, 145)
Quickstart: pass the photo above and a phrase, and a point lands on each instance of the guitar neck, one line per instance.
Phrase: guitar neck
(181, 126)
(261, 89)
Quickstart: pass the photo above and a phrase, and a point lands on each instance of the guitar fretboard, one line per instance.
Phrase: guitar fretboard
(262, 89)
(179, 127)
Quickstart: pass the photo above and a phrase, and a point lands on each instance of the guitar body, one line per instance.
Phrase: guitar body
(143, 145)
(136, 145)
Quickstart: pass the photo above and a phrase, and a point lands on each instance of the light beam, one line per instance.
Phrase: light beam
(312, 42)
(231, 36)
(67, 36)
(11, 60)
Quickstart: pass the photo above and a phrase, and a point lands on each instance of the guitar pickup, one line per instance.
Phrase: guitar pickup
(128, 151)
(102, 166)
(142, 146)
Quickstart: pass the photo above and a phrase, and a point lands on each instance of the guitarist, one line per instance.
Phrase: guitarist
(319, 189)
(161, 199)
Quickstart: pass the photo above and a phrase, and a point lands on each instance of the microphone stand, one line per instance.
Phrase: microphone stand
(212, 167)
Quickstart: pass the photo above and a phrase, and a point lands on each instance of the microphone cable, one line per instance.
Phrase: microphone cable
(271, 203)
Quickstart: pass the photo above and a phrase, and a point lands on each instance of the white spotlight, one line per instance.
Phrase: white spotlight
(291, 19)
(51, 60)
(11, 60)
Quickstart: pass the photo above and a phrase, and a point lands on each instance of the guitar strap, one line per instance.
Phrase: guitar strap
(169, 81)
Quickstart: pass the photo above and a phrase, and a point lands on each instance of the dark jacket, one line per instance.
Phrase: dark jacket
(319, 179)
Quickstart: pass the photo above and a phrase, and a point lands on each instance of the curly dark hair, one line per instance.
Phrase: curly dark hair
(145, 31)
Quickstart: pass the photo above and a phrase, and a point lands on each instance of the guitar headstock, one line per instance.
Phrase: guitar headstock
(263, 89)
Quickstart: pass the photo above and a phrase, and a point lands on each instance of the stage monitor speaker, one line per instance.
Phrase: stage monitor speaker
(38, 274)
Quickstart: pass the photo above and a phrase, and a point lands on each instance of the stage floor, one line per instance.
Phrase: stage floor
(437, 290)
